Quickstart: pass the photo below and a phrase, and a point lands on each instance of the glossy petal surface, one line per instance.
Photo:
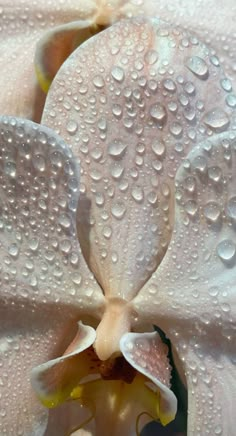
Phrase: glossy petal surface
(194, 287)
(54, 380)
(42, 269)
(147, 353)
(132, 101)
(23, 23)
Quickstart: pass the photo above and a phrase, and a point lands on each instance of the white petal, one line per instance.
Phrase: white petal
(146, 353)
(130, 121)
(54, 380)
(43, 274)
(192, 295)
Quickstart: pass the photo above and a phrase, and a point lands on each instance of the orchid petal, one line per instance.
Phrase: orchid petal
(195, 284)
(217, 28)
(23, 23)
(117, 112)
(53, 381)
(56, 45)
(42, 269)
(147, 353)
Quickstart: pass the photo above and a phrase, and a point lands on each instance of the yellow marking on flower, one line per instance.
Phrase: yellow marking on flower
(119, 397)
(56, 46)
(43, 81)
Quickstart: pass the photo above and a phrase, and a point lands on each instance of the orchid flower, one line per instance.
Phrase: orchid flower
(125, 220)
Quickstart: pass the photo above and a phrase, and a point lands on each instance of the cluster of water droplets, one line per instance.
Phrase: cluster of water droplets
(132, 102)
(39, 195)
(207, 195)
(148, 354)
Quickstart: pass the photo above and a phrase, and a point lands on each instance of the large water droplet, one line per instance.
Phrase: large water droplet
(212, 211)
(169, 85)
(116, 148)
(118, 210)
(13, 250)
(137, 193)
(198, 67)
(98, 81)
(191, 208)
(231, 208)
(217, 120)
(158, 147)
(72, 127)
(226, 250)
(118, 73)
(158, 112)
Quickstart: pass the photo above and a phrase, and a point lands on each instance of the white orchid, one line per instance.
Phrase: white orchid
(134, 162)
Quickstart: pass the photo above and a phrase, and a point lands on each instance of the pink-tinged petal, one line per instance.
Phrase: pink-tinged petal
(28, 336)
(131, 102)
(192, 294)
(212, 21)
(54, 380)
(41, 256)
(147, 353)
(45, 283)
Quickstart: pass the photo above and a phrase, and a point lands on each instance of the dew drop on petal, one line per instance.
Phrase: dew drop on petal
(231, 208)
(198, 67)
(118, 73)
(217, 120)
(226, 250)
(118, 210)
(212, 211)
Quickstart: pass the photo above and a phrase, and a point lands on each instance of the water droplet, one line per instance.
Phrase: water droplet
(189, 88)
(218, 430)
(191, 207)
(217, 120)
(117, 170)
(98, 81)
(158, 112)
(137, 193)
(99, 199)
(39, 162)
(198, 67)
(10, 169)
(117, 110)
(158, 147)
(151, 57)
(169, 85)
(226, 250)
(116, 148)
(107, 232)
(200, 164)
(64, 220)
(226, 85)
(231, 208)
(176, 129)
(34, 244)
(72, 127)
(190, 184)
(212, 211)
(118, 210)
(76, 278)
(215, 174)
(231, 100)
(13, 250)
(118, 73)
